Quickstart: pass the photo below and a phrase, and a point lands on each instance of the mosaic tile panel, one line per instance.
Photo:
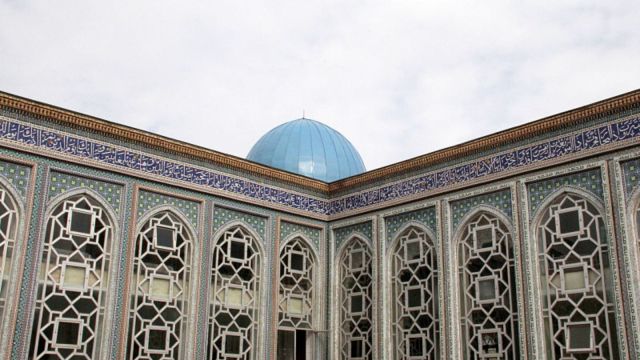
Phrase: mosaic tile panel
(55, 142)
(426, 216)
(148, 200)
(631, 171)
(340, 234)
(222, 216)
(590, 180)
(287, 228)
(500, 200)
(63, 182)
(17, 175)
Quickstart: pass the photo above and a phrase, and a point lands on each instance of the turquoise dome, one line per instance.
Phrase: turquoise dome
(310, 148)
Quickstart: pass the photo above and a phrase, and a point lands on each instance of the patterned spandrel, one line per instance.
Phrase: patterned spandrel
(363, 228)
(426, 216)
(148, 200)
(590, 180)
(222, 216)
(500, 200)
(631, 171)
(18, 175)
(287, 228)
(63, 182)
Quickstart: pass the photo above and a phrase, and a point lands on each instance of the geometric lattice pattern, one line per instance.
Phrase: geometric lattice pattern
(148, 200)
(589, 180)
(578, 306)
(356, 301)
(489, 319)
(17, 175)
(235, 296)
(414, 292)
(61, 182)
(342, 234)
(631, 174)
(500, 200)
(426, 217)
(222, 216)
(8, 232)
(160, 289)
(297, 276)
(72, 282)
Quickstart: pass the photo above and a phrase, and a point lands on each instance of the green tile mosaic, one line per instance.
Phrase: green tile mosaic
(63, 182)
(287, 228)
(426, 216)
(340, 234)
(631, 174)
(500, 200)
(222, 216)
(17, 175)
(148, 200)
(590, 180)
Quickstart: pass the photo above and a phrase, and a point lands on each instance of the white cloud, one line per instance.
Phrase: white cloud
(398, 79)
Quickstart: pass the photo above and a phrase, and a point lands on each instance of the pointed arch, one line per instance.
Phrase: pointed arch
(235, 303)
(298, 283)
(485, 259)
(573, 255)
(414, 293)
(74, 275)
(162, 278)
(355, 298)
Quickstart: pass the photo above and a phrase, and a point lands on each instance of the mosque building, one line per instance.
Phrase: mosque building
(117, 243)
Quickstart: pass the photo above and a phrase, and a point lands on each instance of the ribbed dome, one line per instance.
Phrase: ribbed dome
(310, 148)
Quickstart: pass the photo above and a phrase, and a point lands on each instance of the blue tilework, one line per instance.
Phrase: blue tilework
(148, 200)
(17, 175)
(631, 175)
(500, 200)
(63, 182)
(426, 217)
(222, 216)
(59, 142)
(287, 228)
(365, 228)
(590, 180)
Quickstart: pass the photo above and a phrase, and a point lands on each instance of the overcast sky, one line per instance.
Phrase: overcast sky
(397, 78)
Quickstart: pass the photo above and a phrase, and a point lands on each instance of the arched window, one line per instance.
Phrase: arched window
(69, 319)
(414, 297)
(8, 233)
(297, 276)
(234, 308)
(356, 301)
(577, 287)
(488, 307)
(159, 309)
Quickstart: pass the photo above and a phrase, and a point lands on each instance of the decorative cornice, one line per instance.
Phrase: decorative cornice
(148, 139)
(527, 131)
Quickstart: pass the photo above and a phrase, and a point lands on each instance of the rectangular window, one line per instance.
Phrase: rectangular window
(165, 237)
(569, 222)
(233, 297)
(74, 276)
(81, 222)
(295, 306)
(237, 250)
(357, 260)
(157, 339)
(357, 351)
(413, 298)
(160, 287)
(296, 262)
(413, 251)
(575, 278)
(490, 344)
(579, 337)
(483, 237)
(487, 289)
(233, 345)
(68, 333)
(415, 345)
(357, 305)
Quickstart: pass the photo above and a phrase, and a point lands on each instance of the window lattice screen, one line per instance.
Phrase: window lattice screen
(576, 278)
(356, 301)
(8, 231)
(414, 296)
(235, 296)
(159, 309)
(72, 282)
(297, 271)
(488, 307)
